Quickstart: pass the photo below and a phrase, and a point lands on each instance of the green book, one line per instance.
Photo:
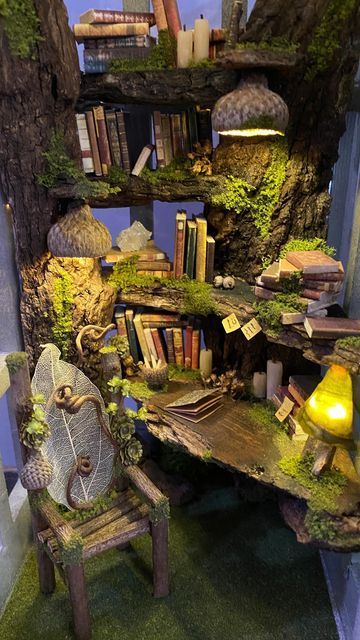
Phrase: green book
(190, 250)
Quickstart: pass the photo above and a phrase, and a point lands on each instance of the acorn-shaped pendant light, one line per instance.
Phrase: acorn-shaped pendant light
(251, 110)
(79, 235)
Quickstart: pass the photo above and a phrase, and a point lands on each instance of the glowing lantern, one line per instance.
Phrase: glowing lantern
(328, 413)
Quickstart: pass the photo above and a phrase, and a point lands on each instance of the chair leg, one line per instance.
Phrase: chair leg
(79, 604)
(46, 569)
(160, 554)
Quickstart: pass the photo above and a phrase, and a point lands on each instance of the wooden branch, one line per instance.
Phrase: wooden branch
(93, 332)
(256, 58)
(115, 534)
(168, 430)
(147, 488)
(19, 394)
(61, 529)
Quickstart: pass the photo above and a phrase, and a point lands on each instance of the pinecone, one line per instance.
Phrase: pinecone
(36, 473)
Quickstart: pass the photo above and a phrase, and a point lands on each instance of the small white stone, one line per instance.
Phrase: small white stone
(218, 281)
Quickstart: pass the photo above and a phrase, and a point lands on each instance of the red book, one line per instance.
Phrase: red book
(178, 347)
(160, 15)
(172, 15)
(158, 344)
(179, 252)
(195, 348)
(102, 136)
(188, 347)
(121, 323)
(170, 345)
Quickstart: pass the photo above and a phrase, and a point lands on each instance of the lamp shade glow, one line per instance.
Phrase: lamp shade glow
(328, 413)
(79, 235)
(251, 110)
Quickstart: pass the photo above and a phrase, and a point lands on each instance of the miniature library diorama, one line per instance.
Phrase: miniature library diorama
(234, 348)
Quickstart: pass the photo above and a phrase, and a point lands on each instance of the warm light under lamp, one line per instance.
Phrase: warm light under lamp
(248, 133)
(328, 412)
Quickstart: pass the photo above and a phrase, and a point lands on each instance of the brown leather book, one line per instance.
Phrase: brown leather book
(120, 322)
(103, 16)
(179, 252)
(178, 346)
(93, 141)
(84, 31)
(200, 262)
(166, 136)
(164, 317)
(159, 142)
(210, 258)
(158, 344)
(312, 261)
(188, 347)
(102, 138)
(331, 328)
(113, 137)
(176, 134)
(195, 348)
(170, 345)
(172, 16)
(125, 157)
(160, 14)
(321, 285)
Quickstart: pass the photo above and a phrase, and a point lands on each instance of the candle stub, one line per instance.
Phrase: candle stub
(259, 384)
(274, 371)
(201, 39)
(205, 364)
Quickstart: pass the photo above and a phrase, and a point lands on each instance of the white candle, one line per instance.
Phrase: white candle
(184, 48)
(205, 364)
(201, 39)
(274, 371)
(259, 384)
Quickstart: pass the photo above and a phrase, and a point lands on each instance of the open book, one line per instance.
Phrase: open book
(196, 405)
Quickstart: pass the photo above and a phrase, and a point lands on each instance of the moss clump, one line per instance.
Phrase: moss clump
(264, 414)
(197, 295)
(117, 177)
(306, 244)
(327, 36)
(120, 344)
(162, 56)
(269, 311)
(160, 511)
(35, 431)
(240, 196)
(15, 361)
(202, 64)
(279, 44)
(292, 283)
(108, 349)
(207, 455)
(324, 490)
(62, 167)
(63, 300)
(319, 526)
(98, 505)
(177, 171)
(176, 372)
(140, 391)
(72, 552)
(351, 342)
(21, 25)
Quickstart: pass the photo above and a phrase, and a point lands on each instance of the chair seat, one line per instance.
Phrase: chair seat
(126, 519)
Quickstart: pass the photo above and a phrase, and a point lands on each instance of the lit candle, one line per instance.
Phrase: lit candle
(206, 358)
(259, 384)
(274, 372)
(201, 39)
(184, 48)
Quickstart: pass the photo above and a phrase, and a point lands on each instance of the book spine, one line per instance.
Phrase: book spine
(160, 14)
(195, 348)
(210, 258)
(157, 274)
(193, 128)
(129, 318)
(141, 337)
(188, 347)
(125, 157)
(101, 16)
(103, 142)
(84, 31)
(150, 343)
(200, 266)
(179, 245)
(190, 251)
(93, 142)
(113, 138)
(153, 265)
(204, 125)
(170, 345)
(121, 324)
(142, 159)
(84, 140)
(172, 16)
(185, 133)
(154, 317)
(176, 134)
(160, 324)
(158, 344)
(178, 347)
(119, 43)
(159, 141)
(217, 35)
(95, 56)
(166, 135)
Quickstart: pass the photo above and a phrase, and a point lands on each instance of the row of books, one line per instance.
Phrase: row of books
(194, 251)
(166, 337)
(320, 280)
(105, 138)
(300, 387)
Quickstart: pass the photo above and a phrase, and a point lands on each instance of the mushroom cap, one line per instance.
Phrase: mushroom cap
(79, 235)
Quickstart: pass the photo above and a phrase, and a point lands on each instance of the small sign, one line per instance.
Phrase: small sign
(231, 323)
(251, 329)
(284, 411)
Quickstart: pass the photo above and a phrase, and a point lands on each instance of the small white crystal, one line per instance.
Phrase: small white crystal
(133, 238)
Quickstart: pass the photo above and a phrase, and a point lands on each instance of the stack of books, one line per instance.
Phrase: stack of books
(164, 336)
(300, 387)
(176, 134)
(109, 35)
(196, 405)
(320, 279)
(151, 260)
(194, 251)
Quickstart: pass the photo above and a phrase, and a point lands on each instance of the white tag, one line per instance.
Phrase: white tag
(251, 329)
(286, 408)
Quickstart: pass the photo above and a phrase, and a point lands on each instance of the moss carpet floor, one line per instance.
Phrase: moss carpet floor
(237, 573)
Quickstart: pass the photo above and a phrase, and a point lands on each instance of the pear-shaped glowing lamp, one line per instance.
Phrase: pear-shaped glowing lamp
(328, 413)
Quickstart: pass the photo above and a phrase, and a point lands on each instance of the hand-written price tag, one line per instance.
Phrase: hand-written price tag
(251, 329)
(284, 411)
(231, 323)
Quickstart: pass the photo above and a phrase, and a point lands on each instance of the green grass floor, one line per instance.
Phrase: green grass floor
(237, 573)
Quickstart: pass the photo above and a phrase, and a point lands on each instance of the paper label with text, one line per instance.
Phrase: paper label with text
(284, 411)
(231, 323)
(251, 329)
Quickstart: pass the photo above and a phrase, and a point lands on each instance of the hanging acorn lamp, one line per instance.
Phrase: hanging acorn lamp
(79, 235)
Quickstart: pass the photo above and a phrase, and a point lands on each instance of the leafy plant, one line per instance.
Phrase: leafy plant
(162, 56)
(21, 25)
(269, 311)
(306, 244)
(36, 430)
(278, 43)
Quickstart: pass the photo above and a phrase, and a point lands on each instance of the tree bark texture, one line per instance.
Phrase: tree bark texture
(317, 120)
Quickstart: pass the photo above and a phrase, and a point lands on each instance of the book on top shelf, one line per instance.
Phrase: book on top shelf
(103, 16)
(84, 31)
(313, 262)
(121, 42)
(84, 140)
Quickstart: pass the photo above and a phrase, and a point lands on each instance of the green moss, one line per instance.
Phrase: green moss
(197, 298)
(207, 455)
(326, 41)
(117, 177)
(351, 342)
(160, 511)
(319, 526)
(292, 283)
(202, 64)
(99, 505)
(176, 372)
(16, 361)
(238, 195)
(21, 25)
(121, 345)
(62, 167)
(269, 311)
(264, 414)
(324, 490)
(63, 300)
(306, 244)
(72, 551)
(162, 56)
(279, 44)
(108, 349)
(141, 391)
(35, 430)
(177, 171)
